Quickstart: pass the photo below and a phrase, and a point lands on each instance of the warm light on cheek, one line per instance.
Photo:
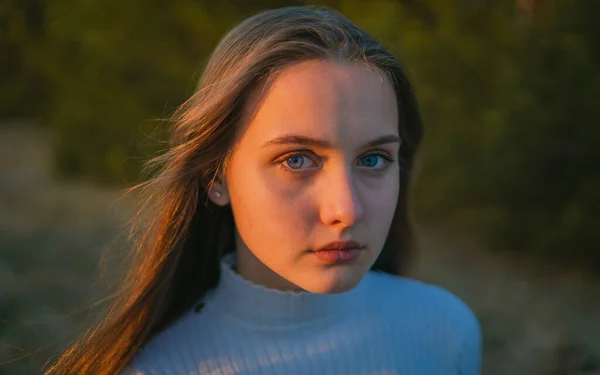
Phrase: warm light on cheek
(283, 176)
(379, 187)
(373, 179)
(278, 185)
(319, 174)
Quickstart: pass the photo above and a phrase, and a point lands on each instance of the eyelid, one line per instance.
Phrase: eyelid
(389, 158)
(381, 153)
(309, 153)
(306, 153)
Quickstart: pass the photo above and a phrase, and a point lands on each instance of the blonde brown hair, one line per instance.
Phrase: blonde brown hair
(178, 255)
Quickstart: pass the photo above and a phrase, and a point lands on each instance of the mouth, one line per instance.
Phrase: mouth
(339, 252)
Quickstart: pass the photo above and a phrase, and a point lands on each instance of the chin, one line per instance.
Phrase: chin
(334, 283)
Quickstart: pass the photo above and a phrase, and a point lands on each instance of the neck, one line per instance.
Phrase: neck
(258, 305)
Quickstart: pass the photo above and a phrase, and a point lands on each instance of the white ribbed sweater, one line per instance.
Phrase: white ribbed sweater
(386, 325)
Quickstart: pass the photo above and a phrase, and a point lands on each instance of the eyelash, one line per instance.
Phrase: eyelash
(385, 155)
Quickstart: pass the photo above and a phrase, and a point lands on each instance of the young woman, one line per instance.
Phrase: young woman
(279, 223)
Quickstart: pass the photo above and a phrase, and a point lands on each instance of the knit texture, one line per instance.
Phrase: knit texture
(386, 325)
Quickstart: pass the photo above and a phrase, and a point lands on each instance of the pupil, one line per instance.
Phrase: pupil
(370, 161)
(295, 162)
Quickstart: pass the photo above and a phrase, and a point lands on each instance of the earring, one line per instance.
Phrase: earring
(217, 194)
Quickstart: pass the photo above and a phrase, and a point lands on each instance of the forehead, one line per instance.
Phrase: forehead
(336, 101)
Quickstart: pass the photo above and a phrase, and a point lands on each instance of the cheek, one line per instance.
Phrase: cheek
(383, 192)
(268, 209)
(381, 197)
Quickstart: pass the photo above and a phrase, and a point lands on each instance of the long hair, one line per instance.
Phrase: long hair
(183, 234)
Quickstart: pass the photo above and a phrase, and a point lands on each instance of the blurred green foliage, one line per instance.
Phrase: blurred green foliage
(509, 98)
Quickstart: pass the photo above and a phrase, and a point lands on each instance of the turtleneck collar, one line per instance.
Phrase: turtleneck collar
(260, 306)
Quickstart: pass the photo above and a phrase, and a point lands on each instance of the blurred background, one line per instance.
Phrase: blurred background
(508, 190)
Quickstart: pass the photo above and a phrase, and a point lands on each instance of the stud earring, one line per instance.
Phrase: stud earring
(217, 194)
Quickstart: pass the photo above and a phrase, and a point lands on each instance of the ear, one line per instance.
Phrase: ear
(218, 193)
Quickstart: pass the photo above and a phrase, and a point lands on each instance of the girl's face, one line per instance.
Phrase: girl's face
(315, 163)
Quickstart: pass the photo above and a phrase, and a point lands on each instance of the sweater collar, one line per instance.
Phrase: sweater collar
(257, 305)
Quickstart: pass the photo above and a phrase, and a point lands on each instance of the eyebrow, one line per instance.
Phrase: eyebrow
(291, 139)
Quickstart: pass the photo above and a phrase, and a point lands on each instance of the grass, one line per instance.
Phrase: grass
(51, 239)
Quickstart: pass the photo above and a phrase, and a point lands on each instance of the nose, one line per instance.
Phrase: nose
(340, 202)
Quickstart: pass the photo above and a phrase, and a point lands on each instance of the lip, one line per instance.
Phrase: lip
(341, 245)
(339, 252)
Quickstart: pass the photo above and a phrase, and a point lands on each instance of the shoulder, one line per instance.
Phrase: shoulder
(176, 349)
(403, 295)
(431, 312)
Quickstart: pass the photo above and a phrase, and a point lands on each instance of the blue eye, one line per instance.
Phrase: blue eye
(295, 161)
(372, 161)
(300, 162)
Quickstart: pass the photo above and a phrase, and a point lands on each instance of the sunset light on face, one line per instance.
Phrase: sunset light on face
(315, 163)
